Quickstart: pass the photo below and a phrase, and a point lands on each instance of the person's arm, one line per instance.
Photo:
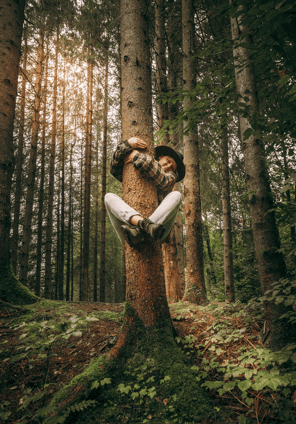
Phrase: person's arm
(148, 166)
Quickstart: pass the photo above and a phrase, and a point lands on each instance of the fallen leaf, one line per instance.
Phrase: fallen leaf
(165, 401)
(149, 417)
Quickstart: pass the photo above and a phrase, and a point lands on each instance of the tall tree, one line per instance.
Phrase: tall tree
(87, 179)
(27, 230)
(195, 289)
(49, 223)
(19, 163)
(103, 209)
(270, 261)
(226, 211)
(42, 178)
(11, 25)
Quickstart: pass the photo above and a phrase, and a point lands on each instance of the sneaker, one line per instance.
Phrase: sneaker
(156, 231)
(133, 235)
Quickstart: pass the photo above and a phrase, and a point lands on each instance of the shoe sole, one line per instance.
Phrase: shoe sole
(126, 236)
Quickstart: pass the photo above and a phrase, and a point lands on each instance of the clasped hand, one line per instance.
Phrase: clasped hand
(135, 143)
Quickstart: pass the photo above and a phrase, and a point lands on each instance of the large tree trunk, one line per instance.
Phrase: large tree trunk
(48, 258)
(103, 209)
(270, 261)
(87, 183)
(27, 231)
(11, 24)
(145, 287)
(226, 211)
(41, 190)
(19, 165)
(195, 289)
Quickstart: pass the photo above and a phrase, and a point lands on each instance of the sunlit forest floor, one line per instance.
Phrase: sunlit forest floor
(43, 348)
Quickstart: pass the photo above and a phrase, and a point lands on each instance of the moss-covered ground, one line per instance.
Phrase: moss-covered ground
(55, 350)
(12, 291)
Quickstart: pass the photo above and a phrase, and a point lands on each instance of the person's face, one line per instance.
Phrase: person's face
(167, 163)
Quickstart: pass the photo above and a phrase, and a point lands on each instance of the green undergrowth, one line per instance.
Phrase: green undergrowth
(12, 291)
(151, 381)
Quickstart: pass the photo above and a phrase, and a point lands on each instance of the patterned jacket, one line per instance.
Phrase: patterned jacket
(148, 166)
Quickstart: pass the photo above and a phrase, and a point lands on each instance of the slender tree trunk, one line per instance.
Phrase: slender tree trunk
(41, 190)
(48, 258)
(27, 230)
(212, 271)
(96, 220)
(161, 79)
(81, 225)
(226, 211)
(62, 247)
(270, 261)
(87, 183)
(58, 251)
(70, 226)
(11, 24)
(72, 258)
(195, 289)
(103, 209)
(19, 165)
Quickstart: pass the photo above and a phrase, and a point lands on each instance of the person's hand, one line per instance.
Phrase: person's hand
(130, 157)
(137, 143)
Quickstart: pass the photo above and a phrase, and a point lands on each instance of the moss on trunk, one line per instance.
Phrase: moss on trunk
(12, 291)
(150, 377)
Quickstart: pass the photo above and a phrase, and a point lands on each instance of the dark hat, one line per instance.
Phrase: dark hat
(177, 156)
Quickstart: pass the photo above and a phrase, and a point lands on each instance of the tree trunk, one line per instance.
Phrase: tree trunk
(58, 243)
(70, 226)
(95, 293)
(62, 246)
(103, 209)
(226, 211)
(271, 265)
(195, 289)
(81, 225)
(27, 230)
(87, 183)
(161, 79)
(41, 190)
(48, 258)
(212, 271)
(19, 165)
(11, 24)
(145, 287)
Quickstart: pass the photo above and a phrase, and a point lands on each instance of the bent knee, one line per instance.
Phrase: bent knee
(109, 197)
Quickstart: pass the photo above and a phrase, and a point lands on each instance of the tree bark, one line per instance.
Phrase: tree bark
(212, 271)
(226, 211)
(271, 265)
(195, 289)
(87, 184)
(145, 287)
(62, 245)
(19, 165)
(41, 190)
(49, 224)
(161, 78)
(103, 209)
(27, 230)
(70, 226)
(11, 25)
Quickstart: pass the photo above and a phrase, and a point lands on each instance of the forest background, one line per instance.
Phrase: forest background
(68, 122)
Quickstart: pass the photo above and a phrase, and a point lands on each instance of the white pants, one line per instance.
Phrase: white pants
(120, 213)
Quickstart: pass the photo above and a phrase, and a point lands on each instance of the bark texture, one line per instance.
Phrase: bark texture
(11, 25)
(103, 209)
(19, 166)
(27, 231)
(47, 293)
(226, 211)
(195, 288)
(87, 183)
(271, 265)
(145, 287)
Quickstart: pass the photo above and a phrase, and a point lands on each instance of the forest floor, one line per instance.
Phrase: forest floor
(43, 348)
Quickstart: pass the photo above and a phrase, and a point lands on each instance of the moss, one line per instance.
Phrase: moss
(12, 291)
(151, 377)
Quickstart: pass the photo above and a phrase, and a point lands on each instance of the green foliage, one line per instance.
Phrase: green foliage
(12, 291)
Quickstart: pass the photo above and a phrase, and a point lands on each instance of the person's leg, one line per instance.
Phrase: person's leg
(166, 212)
(119, 213)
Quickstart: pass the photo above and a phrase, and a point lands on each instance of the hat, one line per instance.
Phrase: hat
(177, 156)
